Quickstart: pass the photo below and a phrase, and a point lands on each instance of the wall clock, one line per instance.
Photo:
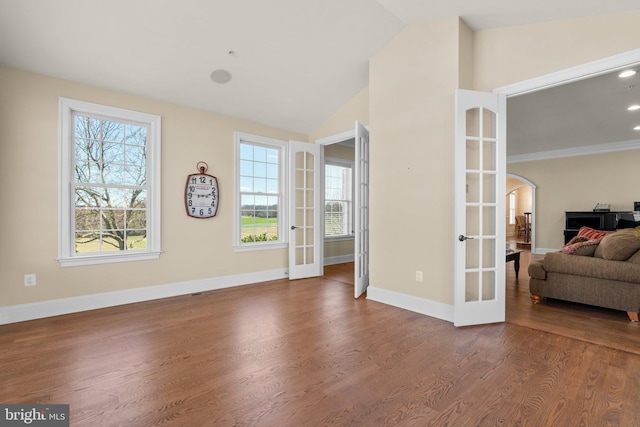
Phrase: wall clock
(201, 196)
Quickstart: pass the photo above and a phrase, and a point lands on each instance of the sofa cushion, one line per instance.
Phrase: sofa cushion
(581, 246)
(591, 233)
(623, 271)
(536, 270)
(635, 258)
(619, 246)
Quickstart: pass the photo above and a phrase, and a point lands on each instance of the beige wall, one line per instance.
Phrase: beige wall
(193, 248)
(577, 184)
(344, 119)
(412, 82)
(510, 55)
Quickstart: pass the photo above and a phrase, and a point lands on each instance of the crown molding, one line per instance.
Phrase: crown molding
(576, 151)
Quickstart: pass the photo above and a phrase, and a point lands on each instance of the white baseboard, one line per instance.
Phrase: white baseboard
(338, 259)
(419, 305)
(38, 310)
(542, 251)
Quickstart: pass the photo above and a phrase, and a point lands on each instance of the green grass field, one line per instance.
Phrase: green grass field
(256, 226)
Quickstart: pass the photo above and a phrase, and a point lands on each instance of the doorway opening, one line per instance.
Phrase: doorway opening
(345, 212)
(520, 215)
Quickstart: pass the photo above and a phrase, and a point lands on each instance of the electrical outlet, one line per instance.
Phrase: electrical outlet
(29, 279)
(418, 276)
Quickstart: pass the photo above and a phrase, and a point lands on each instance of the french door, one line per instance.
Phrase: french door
(480, 175)
(361, 206)
(305, 259)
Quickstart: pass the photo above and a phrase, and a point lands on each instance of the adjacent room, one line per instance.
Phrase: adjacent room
(295, 213)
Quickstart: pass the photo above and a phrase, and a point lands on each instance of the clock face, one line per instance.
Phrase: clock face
(201, 195)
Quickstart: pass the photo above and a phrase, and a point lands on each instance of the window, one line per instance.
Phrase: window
(110, 184)
(260, 197)
(512, 208)
(338, 214)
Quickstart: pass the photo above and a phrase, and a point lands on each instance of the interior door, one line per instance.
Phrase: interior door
(480, 176)
(304, 210)
(361, 205)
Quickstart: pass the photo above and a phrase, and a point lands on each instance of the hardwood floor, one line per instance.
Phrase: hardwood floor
(610, 328)
(306, 353)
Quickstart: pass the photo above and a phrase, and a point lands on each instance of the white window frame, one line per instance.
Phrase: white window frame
(66, 200)
(282, 146)
(346, 164)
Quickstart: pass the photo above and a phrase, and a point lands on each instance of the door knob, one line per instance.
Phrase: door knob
(463, 238)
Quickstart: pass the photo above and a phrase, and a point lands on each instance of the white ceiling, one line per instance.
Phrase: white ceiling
(580, 114)
(293, 62)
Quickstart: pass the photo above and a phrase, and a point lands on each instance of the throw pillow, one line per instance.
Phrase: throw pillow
(582, 248)
(591, 233)
(619, 246)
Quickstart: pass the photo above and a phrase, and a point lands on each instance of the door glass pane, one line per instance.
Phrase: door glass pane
(300, 256)
(473, 188)
(488, 253)
(300, 179)
(488, 155)
(488, 221)
(488, 124)
(473, 122)
(309, 199)
(309, 255)
(472, 247)
(299, 236)
(473, 221)
(472, 290)
(300, 160)
(489, 185)
(488, 285)
(473, 154)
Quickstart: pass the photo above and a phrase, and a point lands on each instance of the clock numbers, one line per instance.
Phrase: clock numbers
(201, 195)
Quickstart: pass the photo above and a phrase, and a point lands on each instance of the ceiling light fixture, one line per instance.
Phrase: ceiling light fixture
(636, 128)
(221, 76)
(634, 107)
(627, 73)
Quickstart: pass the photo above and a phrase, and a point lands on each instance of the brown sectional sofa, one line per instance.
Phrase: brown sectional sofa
(609, 278)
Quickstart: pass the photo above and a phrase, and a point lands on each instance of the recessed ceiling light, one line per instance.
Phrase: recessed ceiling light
(634, 107)
(221, 76)
(627, 73)
(636, 128)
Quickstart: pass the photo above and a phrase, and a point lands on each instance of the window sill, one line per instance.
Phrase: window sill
(260, 247)
(338, 238)
(77, 261)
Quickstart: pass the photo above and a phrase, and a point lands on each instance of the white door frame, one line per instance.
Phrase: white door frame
(323, 142)
(573, 74)
(559, 78)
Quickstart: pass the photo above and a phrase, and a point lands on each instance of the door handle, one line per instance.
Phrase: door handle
(293, 227)
(462, 238)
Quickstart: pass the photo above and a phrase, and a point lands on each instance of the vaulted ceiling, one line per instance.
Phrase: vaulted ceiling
(292, 62)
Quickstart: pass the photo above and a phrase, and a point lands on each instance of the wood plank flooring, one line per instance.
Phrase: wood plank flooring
(306, 353)
(601, 326)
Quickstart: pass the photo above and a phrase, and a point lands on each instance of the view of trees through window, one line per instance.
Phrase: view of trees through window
(110, 185)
